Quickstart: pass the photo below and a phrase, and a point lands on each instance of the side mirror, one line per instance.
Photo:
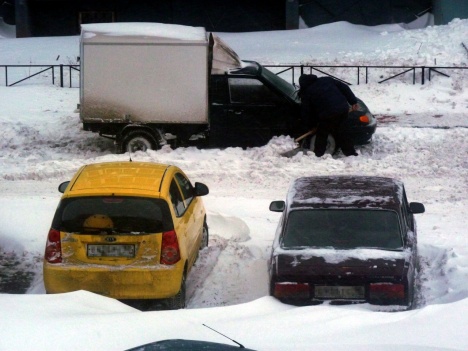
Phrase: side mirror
(201, 189)
(416, 207)
(62, 187)
(277, 206)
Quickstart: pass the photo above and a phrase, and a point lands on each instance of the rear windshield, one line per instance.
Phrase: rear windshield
(343, 229)
(287, 88)
(125, 215)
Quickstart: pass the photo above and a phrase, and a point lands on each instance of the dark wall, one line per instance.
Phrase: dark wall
(63, 17)
(447, 10)
(366, 12)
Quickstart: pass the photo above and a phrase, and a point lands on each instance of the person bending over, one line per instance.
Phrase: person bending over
(325, 107)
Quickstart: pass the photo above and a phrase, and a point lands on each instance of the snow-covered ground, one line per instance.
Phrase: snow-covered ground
(42, 144)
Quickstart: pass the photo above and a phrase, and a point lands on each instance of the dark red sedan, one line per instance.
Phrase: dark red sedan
(345, 239)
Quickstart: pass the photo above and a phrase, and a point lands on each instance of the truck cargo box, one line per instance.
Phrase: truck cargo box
(144, 73)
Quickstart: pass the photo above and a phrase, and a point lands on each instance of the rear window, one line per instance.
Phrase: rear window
(125, 215)
(343, 229)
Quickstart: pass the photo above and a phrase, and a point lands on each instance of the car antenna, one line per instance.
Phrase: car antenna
(227, 337)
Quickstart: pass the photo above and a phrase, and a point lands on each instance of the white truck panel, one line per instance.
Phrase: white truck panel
(143, 79)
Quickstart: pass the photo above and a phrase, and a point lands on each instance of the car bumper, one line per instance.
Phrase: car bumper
(124, 283)
(306, 292)
(363, 135)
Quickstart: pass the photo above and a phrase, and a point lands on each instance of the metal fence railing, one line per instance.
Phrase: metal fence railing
(58, 74)
(15, 74)
(363, 73)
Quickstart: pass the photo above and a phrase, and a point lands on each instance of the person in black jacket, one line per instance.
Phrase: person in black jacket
(325, 107)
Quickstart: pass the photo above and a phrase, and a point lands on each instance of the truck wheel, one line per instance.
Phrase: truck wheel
(139, 140)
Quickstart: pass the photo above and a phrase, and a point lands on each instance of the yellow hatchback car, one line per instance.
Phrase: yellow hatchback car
(127, 230)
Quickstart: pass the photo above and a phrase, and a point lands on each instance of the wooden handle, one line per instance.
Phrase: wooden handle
(310, 132)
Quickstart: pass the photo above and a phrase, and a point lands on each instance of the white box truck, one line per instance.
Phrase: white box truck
(148, 84)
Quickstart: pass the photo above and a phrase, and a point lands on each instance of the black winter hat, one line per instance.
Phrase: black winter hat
(306, 79)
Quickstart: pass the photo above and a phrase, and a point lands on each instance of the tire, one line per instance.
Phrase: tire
(331, 144)
(139, 140)
(205, 237)
(178, 301)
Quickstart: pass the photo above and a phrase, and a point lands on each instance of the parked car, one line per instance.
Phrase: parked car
(127, 230)
(188, 345)
(345, 239)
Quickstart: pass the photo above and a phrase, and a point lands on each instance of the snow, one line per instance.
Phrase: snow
(337, 256)
(145, 29)
(422, 140)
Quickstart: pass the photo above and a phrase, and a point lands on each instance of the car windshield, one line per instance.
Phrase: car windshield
(285, 87)
(110, 214)
(343, 229)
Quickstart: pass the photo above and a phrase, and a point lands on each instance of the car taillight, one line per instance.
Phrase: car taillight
(364, 119)
(386, 292)
(170, 253)
(53, 250)
(291, 290)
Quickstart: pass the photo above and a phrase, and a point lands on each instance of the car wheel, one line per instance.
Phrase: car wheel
(205, 237)
(331, 144)
(139, 140)
(178, 301)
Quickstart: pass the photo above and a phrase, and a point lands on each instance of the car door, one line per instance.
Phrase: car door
(255, 113)
(190, 214)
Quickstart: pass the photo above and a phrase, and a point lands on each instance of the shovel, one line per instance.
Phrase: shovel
(296, 150)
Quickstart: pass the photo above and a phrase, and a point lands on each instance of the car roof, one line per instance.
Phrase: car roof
(124, 178)
(346, 192)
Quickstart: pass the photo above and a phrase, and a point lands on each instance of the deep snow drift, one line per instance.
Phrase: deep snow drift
(42, 144)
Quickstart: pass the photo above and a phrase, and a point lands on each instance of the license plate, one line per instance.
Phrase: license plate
(339, 292)
(111, 250)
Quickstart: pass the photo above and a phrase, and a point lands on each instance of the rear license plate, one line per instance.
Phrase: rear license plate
(339, 292)
(111, 250)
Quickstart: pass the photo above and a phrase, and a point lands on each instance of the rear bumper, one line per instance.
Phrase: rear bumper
(362, 136)
(362, 133)
(299, 296)
(116, 281)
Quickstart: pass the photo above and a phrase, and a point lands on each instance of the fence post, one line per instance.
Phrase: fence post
(61, 75)
(422, 75)
(6, 75)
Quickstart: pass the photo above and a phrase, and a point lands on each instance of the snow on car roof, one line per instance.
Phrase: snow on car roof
(346, 192)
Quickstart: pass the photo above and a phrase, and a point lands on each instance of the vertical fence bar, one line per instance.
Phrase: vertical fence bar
(61, 75)
(367, 74)
(414, 75)
(53, 75)
(358, 71)
(6, 75)
(422, 75)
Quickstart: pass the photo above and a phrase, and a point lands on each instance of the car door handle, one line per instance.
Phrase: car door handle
(236, 112)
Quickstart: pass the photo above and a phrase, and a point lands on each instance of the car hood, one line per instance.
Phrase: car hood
(330, 262)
